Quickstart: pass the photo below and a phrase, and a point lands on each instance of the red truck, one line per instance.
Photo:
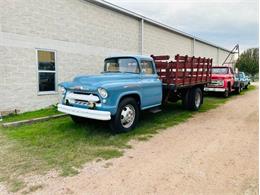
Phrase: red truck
(223, 81)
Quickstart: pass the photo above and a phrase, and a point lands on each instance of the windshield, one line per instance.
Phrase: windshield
(128, 65)
(241, 75)
(220, 70)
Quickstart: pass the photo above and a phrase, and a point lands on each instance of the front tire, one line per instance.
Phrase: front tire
(126, 117)
(226, 93)
(238, 90)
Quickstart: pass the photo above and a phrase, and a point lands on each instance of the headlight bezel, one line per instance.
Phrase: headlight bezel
(103, 92)
(61, 90)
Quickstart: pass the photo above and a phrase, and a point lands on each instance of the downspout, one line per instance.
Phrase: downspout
(218, 56)
(193, 47)
(142, 36)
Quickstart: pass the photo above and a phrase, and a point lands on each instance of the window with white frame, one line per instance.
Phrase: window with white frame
(46, 71)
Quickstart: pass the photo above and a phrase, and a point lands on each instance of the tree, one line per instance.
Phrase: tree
(248, 61)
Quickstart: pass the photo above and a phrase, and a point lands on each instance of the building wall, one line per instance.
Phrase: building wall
(223, 55)
(71, 21)
(159, 41)
(204, 50)
(82, 34)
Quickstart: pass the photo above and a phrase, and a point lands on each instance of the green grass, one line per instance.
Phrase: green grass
(250, 88)
(29, 115)
(64, 146)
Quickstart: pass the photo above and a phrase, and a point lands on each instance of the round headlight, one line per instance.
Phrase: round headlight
(62, 90)
(103, 93)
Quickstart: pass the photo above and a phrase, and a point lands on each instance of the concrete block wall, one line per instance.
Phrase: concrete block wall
(82, 34)
(204, 50)
(159, 41)
(71, 21)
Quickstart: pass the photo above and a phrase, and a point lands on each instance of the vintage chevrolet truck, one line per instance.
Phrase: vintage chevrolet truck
(223, 81)
(130, 84)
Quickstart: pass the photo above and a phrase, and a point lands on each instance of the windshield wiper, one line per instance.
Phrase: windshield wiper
(112, 71)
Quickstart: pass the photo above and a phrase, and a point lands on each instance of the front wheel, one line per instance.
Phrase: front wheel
(126, 117)
(226, 93)
(238, 90)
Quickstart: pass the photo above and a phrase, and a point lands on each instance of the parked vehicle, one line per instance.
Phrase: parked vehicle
(130, 84)
(223, 81)
(243, 79)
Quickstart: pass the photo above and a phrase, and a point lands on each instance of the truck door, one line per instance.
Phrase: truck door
(151, 86)
(232, 76)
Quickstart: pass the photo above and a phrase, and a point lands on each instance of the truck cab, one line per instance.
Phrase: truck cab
(223, 80)
(127, 85)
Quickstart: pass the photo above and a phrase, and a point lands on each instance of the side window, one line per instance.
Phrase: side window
(147, 67)
(46, 71)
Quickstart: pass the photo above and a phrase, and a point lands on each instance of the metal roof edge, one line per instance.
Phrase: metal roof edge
(122, 10)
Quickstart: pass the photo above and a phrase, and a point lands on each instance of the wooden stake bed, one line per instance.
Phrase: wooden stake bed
(184, 71)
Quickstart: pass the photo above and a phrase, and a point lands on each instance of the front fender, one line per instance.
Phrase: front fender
(127, 93)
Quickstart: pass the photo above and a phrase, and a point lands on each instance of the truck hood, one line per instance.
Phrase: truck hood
(104, 80)
(219, 76)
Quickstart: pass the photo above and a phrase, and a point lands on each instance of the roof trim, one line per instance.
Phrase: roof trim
(124, 11)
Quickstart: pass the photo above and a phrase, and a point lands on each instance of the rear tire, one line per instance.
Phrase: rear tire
(195, 99)
(246, 87)
(185, 99)
(126, 117)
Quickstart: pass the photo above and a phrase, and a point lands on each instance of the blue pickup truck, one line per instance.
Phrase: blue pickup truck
(243, 79)
(130, 84)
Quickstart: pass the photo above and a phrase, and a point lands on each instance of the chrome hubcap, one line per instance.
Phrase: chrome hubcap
(197, 100)
(127, 116)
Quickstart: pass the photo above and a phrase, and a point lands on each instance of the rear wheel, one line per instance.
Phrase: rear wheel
(195, 99)
(246, 86)
(185, 99)
(126, 117)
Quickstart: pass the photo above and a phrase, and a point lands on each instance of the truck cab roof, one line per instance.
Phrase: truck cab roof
(137, 57)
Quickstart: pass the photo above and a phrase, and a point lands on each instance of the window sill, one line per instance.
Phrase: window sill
(47, 93)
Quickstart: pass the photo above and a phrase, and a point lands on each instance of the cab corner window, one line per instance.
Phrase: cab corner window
(46, 71)
(147, 67)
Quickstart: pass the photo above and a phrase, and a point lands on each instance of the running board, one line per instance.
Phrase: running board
(155, 110)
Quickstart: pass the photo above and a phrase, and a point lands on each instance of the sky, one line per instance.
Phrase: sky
(222, 22)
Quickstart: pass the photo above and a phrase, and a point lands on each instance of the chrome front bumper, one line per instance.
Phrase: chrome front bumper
(86, 113)
(212, 89)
